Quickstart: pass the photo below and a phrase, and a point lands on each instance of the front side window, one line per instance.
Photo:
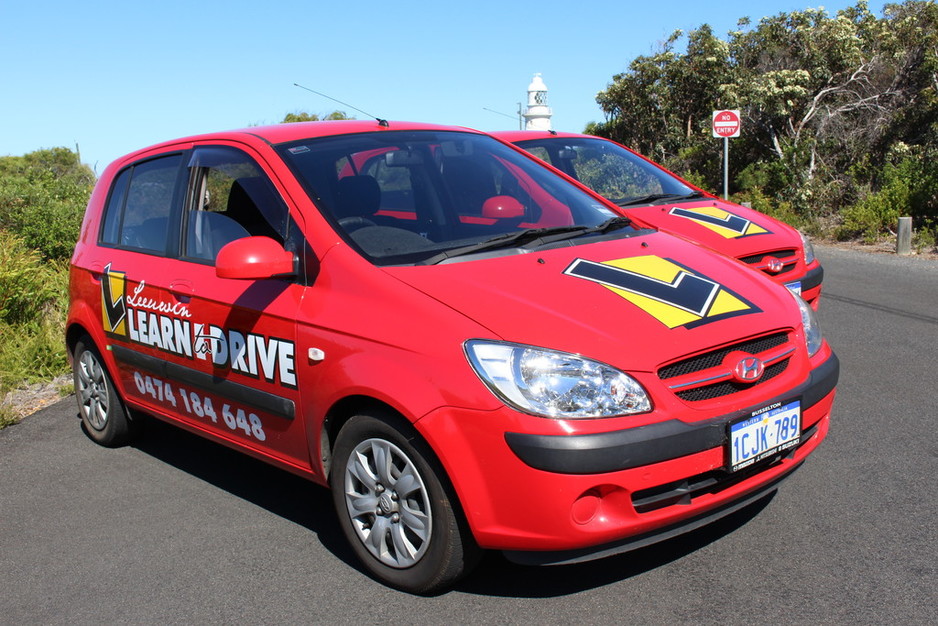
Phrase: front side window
(231, 197)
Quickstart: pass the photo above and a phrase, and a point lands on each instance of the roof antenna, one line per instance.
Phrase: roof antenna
(381, 122)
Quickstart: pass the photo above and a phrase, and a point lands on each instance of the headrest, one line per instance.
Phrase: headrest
(357, 196)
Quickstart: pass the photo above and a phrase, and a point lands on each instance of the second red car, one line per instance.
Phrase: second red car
(653, 195)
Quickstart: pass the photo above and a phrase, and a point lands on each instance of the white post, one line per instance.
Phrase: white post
(726, 168)
(904, 237)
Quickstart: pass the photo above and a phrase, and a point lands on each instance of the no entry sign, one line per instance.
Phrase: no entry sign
(726, 124)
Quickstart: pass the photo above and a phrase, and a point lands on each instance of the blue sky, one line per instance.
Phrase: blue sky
(111, 77)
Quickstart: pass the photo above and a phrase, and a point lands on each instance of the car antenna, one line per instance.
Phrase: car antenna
(380, 121)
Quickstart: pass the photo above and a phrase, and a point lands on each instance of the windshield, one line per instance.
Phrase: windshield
(608, 169)
(407, 196)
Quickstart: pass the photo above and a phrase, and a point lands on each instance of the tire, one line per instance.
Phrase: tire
(396, 507)
(102, 412)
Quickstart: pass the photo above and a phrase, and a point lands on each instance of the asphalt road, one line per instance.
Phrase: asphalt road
(178, 530)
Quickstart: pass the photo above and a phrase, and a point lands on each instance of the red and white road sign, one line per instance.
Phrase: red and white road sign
(726, 124)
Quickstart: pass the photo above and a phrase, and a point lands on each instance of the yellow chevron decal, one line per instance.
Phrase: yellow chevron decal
(723, 223)
(671, 293)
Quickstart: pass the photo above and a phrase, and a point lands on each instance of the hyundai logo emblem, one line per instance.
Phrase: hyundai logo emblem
(774, 265)
(749, 369)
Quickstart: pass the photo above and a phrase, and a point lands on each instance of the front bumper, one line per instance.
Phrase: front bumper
(625, 449)
(564, 498)
(809, 284)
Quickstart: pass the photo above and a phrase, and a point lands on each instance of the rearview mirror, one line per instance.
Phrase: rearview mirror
(403, 158)
(253, 258)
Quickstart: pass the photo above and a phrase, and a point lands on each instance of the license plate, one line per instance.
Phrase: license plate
(794, 287)
(766, 432)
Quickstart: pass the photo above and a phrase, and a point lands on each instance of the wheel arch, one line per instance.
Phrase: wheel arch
(74, 332)
(348, 407)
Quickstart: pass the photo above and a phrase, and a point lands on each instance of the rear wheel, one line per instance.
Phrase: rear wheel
(396, 508)
(102, 413)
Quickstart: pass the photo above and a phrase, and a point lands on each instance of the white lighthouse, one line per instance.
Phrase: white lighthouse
(537, 115)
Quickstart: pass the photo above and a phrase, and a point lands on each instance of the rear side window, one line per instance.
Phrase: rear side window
(140, 206)
(112, 216)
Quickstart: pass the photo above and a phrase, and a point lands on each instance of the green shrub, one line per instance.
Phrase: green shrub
(772, 207)
(34, 352)
(43, 197)
(28, 284)
(33, 301)
(879, 211)
(908, 186)
(925, 236)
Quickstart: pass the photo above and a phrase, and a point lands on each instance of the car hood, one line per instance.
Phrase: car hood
(724, 226)
(633, 302)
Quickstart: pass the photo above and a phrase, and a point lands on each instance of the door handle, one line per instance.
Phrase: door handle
(182, 289)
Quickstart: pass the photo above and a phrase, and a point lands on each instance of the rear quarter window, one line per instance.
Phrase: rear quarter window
(141, 204)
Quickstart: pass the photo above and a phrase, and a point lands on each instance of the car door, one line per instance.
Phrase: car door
(241, 376)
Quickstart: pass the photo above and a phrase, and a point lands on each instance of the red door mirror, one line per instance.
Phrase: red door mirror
(253, 258)
(502, 207)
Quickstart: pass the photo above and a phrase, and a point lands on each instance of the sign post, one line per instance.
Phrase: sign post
(726, 125)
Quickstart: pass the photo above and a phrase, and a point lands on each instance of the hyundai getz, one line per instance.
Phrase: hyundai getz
(469, 350)
(647, 192)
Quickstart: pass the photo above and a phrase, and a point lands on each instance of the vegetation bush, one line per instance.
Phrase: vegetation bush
(27, 283)
(43, 197)
(33, 301)
(839, 114)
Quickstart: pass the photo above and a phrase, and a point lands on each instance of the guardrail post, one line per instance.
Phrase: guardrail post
(904, 237)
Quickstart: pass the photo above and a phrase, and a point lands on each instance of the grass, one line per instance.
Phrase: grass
(33, 303)
(30, 354)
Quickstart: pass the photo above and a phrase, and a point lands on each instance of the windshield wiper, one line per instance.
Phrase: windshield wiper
(654, 197)
(529, 238)
(613, 223)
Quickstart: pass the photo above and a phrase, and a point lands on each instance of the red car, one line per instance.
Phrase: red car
(470, 350)
(652, 195)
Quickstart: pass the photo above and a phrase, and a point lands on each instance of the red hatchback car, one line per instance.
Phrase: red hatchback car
(652, 195)
(471, 351)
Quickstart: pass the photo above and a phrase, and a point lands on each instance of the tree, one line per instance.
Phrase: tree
(825, 103)
(43, 196)
(303, 116)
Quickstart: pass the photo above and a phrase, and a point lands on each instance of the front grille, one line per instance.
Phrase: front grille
(786, 256)
(710, 375)
(784, 270)
(715, 358)
(727, 387)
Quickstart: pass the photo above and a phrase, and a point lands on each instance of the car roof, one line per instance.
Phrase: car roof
(521, 135)
(281, 133)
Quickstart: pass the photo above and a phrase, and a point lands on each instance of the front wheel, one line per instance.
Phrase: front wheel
(396, 508)
(102, 413)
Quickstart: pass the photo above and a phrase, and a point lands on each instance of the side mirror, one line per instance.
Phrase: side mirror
(253, 258)
(502, 207)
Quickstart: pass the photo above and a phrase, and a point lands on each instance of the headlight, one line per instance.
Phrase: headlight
(555, 384)
(812, 330)
(808, 249)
